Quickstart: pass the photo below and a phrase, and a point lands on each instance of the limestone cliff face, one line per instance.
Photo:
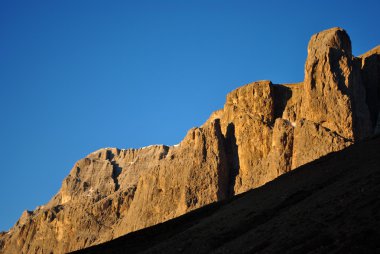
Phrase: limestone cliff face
(112, 192)
(263, 131)
(334, 90)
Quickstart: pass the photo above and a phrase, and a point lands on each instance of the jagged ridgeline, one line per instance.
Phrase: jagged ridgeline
(263, 131)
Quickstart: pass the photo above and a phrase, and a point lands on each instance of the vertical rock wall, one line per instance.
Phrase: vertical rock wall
(263, 131)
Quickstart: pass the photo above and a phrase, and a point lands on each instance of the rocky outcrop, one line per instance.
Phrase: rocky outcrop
(328, 206)
(334, 91)
(192, 175)
(246, 123)
(112, 191)
(263, 131)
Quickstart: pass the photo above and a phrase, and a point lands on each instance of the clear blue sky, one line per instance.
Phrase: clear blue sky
(76, 76)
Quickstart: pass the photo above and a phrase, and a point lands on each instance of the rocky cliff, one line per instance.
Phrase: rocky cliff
(263, 131)
(330, 205)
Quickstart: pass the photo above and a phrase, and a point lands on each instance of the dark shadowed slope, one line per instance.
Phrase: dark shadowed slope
(331, 205)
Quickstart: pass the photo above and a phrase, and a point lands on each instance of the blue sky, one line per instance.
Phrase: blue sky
(76, 76)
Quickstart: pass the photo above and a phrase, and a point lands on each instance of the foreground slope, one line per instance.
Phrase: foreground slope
(263, 131)
(330, 205)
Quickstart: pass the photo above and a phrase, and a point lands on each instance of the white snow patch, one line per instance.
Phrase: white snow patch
(151, 146)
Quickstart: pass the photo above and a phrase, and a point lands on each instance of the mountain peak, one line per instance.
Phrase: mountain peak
(335, 37)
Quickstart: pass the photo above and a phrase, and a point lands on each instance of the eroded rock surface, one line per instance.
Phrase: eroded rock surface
(330, 205)
(334, 91)
(263, 131)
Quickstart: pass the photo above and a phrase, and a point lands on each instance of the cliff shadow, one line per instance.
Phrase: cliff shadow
(232, 157)
(370, 74)
(338, 72)
(281, 96)
(116, 169)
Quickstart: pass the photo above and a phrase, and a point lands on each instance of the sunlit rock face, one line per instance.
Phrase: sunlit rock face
(263, 131)
(335, 94)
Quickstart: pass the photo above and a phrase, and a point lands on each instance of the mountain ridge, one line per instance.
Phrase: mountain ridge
(263, 131)
(278, 216)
